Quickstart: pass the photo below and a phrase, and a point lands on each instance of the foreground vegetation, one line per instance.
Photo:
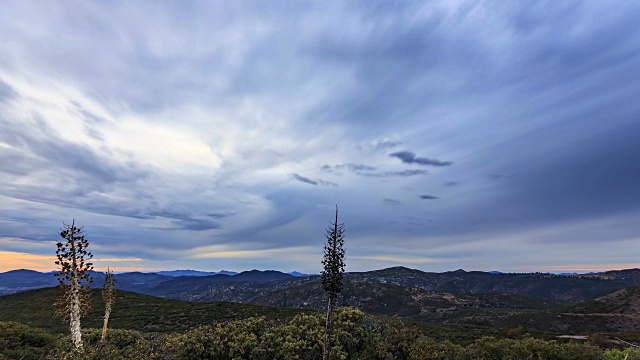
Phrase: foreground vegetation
(355, 336)
(149, 327)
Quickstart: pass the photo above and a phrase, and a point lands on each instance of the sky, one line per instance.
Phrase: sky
(209, 135)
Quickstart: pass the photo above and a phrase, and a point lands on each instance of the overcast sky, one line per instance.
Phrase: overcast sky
(221, 134)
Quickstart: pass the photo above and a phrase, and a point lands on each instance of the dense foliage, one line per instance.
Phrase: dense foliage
(356, 336)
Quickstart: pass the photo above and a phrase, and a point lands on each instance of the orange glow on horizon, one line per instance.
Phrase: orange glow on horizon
(10, 260)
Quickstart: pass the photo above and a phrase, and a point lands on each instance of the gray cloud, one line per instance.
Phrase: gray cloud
(186, 220)
(428, 197)
(410, 158)
(383, 145)
(401, 173)
(348, 166)
(304, 179)
(369, 171)
(326, 183)
(355, 167)
(388, 201)
(313, 182)
(6, 92)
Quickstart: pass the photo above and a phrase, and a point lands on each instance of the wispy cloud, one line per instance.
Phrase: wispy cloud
(410, 158)
(388, 201)
(313, 182)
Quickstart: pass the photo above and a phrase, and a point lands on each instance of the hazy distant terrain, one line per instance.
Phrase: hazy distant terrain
(249, 285)
(545, 302)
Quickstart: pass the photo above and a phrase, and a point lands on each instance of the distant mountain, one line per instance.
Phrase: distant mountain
(225, 272)
(257, 275)
(568, 289)
(146, 283)
(185, 273)
(627, 274)
(297, 274)
(194, 273)
(21, 280)
(234, 288)
(242, 287)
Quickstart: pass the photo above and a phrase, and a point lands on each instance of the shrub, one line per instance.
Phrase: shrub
(18, 341)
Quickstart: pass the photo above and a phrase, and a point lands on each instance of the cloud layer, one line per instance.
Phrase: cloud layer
(216, 135)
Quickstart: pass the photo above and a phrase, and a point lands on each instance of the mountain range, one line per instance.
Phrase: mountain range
(541, 302)
(199, 286)
(606, 301)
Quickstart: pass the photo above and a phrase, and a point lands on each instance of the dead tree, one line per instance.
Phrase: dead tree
(109, 298)
(332, 275)
(74, 279)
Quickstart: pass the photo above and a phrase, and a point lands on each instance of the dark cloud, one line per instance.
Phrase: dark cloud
(410, 158)
(304, 179)
(428, 197)
(313, 182)
(451, 183)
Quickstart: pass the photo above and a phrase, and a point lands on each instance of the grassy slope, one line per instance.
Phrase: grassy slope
(132, 311)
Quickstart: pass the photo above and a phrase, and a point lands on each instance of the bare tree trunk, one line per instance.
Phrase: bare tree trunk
(104, 325)
(329, 327)
(74, 316)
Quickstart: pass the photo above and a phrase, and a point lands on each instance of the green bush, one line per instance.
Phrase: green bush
(530, 348)
(119, 345)
(18, 341)
(233, 340)
(356, 337)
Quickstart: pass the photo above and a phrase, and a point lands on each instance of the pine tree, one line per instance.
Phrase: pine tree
(332, 275)
(109, 298)
(74, 279)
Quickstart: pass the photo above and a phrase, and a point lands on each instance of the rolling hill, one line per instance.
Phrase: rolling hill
(132, 311)
(616, 312)
(408, 303)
